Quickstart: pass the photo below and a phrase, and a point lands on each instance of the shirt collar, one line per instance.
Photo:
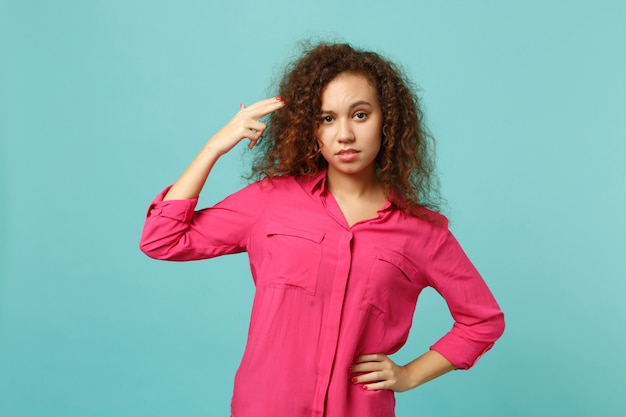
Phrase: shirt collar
(314, 184)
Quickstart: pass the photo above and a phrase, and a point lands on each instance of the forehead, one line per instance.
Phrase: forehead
(349, 87)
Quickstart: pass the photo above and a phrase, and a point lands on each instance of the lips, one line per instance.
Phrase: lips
(347, 152)
(348, 155)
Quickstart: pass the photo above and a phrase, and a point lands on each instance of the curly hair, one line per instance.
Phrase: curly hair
(405, 163)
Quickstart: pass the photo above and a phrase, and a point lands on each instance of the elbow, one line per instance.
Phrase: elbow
(149, 249)
(158, 243)
(154, 248)
(498, 326)
(491, 329)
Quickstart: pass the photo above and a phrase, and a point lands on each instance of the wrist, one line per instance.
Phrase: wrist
(412, 376)
(212, 150)
(426, 368)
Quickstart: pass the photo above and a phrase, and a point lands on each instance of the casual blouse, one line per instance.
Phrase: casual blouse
(326, 292)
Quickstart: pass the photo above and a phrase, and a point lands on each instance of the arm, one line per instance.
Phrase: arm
(478, 320)
(380, 372)
(173, 230)
(245, 124)
(478, 323)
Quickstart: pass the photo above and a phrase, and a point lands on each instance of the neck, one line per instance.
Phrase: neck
(353, 186)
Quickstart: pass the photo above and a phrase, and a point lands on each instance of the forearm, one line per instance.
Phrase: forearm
(378, 371)
(245, 124)
(427, 367)
(190, 183)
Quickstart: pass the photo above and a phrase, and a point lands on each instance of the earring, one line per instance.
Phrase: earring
(316, 151)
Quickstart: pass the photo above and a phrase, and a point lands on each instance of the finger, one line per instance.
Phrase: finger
(376, 357)
(252, 143)
(250, 129)
(376, 386)
(242, 106)
(255, 125)
(254, 138)
(369, 377)
(264, 107)
(366, 367)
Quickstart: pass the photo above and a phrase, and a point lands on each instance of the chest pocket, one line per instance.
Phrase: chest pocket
(293, 257)
(391, 292)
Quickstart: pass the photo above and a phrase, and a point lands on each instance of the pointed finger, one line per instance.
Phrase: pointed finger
(264, 107)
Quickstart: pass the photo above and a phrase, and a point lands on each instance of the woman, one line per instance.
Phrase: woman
(342, 234)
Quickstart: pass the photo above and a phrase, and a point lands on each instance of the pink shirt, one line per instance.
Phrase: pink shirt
(326, 292)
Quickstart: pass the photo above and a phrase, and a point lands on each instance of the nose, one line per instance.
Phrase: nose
(345, 134)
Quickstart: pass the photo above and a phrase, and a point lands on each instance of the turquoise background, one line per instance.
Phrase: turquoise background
(103, 103)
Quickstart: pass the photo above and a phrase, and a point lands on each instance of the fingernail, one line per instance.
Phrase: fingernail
(356, 359)
(365, 387)
(350, 369)
(354, 380)
(240, 106)
(278, 98)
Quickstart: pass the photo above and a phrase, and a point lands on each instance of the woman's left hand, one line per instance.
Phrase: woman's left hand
(379, 372)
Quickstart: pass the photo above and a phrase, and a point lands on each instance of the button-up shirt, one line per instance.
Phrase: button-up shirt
(326, 292)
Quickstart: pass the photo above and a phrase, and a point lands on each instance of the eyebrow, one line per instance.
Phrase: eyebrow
(353, 105)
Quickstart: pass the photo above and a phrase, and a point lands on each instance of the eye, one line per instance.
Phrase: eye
(327, 119)
(360, 115)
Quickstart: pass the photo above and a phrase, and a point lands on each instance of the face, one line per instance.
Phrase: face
(350, 126)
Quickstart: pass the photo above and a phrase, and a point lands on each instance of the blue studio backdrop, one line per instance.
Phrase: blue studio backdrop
(104, 103)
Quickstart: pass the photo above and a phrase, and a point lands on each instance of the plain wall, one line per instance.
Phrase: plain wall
(104, 103)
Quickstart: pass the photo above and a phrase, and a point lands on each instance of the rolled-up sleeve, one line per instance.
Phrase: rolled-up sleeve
(478, 320)
(175, 231)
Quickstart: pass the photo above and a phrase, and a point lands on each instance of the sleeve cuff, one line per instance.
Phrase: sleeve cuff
(181, 210)
(461, 353)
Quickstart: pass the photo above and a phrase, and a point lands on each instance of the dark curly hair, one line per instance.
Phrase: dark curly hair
(405, 162)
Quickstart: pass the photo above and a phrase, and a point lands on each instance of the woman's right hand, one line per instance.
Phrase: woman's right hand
(245, 124)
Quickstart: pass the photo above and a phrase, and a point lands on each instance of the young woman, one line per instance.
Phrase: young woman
(342, 234)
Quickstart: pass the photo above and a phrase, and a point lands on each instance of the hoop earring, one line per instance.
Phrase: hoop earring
(317, 151)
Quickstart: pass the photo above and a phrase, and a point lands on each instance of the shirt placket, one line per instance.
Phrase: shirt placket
(332, 324)
(342, 254)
